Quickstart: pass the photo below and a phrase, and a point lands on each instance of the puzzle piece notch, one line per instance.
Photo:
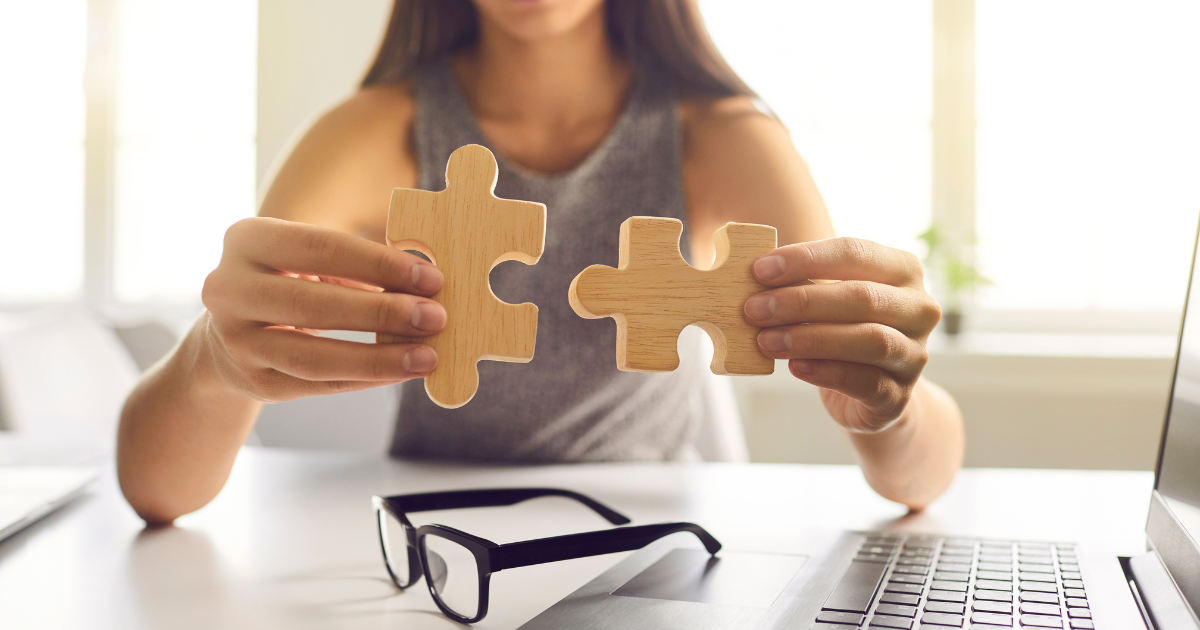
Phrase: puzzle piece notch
(466, 231)
(653, 294)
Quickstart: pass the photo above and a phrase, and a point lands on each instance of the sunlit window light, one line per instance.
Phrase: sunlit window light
(1088, 152)
(185, 140)
(852, 80)
(43, 53)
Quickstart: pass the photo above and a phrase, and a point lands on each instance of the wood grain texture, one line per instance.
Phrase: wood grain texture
(653, 294)
(466, 231)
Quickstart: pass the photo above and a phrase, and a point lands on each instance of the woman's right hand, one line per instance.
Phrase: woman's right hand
(279, 282)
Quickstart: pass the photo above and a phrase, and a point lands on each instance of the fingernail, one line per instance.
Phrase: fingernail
(775, 340)
(761, 307)
(426, 278)
(428, 316)
(769, 267)
(420, 359)
(803, 366)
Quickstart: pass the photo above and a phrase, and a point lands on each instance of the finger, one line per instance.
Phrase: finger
(310, 358)
(875, 345)
(874, 388)
(839, 259)
(913, 312)
(272, 299)
(305, 249)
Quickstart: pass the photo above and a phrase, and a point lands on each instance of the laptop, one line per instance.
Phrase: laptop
(28, 493)
(882, 580)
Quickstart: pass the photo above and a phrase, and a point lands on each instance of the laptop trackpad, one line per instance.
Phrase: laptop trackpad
(733, 578)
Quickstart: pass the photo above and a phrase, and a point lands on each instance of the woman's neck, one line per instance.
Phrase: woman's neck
(546, 103)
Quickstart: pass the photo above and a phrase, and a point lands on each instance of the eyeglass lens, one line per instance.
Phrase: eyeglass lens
(395, 547)
(454, 575)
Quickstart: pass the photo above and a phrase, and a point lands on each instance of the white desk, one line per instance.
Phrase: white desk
(290, 543)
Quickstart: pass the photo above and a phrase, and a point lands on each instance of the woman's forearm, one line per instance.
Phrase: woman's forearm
(180, 432)
(914, 461)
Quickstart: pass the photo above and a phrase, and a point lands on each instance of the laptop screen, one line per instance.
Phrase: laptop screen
(1178, 480)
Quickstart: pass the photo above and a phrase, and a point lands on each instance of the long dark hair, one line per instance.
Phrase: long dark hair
(669, 33)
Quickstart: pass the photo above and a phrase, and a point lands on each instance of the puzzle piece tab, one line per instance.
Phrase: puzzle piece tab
(466, 231)
(653, 294)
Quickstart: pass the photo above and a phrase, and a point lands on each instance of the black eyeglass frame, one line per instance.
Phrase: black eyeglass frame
(491, 557)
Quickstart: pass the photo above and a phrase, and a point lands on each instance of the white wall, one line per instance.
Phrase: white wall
(1093, 405)
(311, 55)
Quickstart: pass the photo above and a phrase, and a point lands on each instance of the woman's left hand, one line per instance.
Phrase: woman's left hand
(860, 339)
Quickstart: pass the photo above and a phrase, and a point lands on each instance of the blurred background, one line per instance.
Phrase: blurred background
(1042, 155)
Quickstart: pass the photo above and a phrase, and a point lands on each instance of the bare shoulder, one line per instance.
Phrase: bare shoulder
(341, 171)
(739, 164)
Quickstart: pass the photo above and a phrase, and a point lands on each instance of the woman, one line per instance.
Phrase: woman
(601, 110)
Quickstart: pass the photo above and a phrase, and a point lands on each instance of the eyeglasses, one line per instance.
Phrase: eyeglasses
(458, 566)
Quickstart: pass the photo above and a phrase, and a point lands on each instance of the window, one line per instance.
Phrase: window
(1084, 195)
(43, 52)
(1088, 152)
(159, 141)
(852, 81)
(184, 150)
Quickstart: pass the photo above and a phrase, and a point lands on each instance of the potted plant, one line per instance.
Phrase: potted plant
(953, 273)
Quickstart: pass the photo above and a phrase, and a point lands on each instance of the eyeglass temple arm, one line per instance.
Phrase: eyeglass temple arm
(572, 546)
(456, 499)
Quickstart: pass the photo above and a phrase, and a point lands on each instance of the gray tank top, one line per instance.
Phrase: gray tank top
(570, 403)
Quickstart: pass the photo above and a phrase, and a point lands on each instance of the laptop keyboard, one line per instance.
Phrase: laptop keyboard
(932, 583)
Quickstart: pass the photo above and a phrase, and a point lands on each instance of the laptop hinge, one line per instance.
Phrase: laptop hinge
(1158, 595)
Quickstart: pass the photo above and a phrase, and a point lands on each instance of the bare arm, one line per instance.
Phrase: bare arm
(279, 281)
(860, 333)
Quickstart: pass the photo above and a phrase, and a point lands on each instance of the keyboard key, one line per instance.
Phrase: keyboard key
(1040, 609)
(916, 553)
(1079, 613)
(833, 626)
(1040, 621)
(983, 557)
(900, 598)
(868, 557)
(947, 596)
(896, 587)
(923, 562)
(993, 619)
(887, 549)
(945, 607)
(908, 579)
(1072, 583)
(912, 570)
(947, 585)
(1068, 567)
(1037, 577)
(855, 590)
(1034, 559)
(1077, 602)
(942, 619)
(1041, 598)
(886, 621)
(1040, 587)
(957, 567)
(994, 575)
(995, 566)
(830, 616)
(1075, 592)
(993, 585)
(953, 576)
(1082, 624)
(898, 610)
(1071, 575)
(958, 553)
(993, 607)
(993, 596)
(1035, 568)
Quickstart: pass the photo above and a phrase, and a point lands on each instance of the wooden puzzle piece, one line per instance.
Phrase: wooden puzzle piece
(466, 231)
(654, 293)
